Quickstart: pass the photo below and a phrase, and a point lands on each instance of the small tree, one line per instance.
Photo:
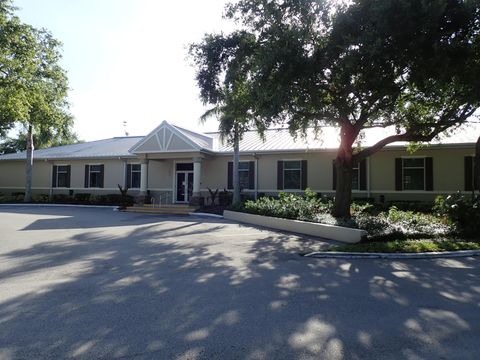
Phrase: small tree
(33, 86)
(228, 94)
(407, 65)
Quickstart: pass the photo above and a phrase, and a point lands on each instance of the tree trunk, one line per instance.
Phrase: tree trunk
(343, 192)
(477, 166)
(236, 161)
(29, 166)
(344, 168)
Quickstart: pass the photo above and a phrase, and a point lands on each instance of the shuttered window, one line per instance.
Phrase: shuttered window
(61, 176)
(292, 175)
(414, 173)
(94, 175)
(246, 172)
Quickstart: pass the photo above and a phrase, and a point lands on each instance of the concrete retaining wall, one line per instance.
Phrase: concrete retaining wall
(332, 232)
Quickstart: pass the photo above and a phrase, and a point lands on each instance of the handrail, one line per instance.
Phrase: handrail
(163, 196)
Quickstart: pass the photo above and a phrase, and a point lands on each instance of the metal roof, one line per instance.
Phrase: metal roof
(275, 140)
(328, 138)
(114, 147)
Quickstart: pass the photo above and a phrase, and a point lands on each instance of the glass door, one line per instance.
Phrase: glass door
(184, 186)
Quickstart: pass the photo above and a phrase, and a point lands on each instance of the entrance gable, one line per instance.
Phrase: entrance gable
(165, 138)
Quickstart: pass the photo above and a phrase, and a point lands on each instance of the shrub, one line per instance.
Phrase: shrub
(289, 206)
(81, 198)
(41, 198)
(461, 210)
(408, 205)
(61, 198)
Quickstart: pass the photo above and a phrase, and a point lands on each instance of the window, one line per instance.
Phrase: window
(184, 166)
(134, 175)
(414, 173)
(61, 176)
(94, 176)
(246, 173)
(359, 176)
(292, 175)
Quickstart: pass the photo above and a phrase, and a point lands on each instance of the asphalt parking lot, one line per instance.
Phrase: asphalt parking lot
(91, 283)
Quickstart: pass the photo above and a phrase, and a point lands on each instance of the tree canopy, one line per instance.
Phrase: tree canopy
(412, 66)
(33, 85)
(42, 139)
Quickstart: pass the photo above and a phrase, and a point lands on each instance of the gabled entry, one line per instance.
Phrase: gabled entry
(170, 138)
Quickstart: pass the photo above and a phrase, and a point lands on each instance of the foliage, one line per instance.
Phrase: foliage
(409, 246)
(289, 206)
(44, 139)
(392, 224)
(461, 210)
(124, 198)
(408, 65)
(213, 196)
(33, 86)
(408, 205)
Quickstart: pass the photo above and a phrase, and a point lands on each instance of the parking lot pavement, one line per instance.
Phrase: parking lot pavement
(90, 283)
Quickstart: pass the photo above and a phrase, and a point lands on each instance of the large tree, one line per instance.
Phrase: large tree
(407, 65)
(33, 86)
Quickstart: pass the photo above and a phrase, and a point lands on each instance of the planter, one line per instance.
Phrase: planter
(332, 232)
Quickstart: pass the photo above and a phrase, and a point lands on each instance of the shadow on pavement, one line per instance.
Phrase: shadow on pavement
(148, 292)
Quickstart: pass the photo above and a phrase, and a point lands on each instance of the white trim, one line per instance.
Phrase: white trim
(160, 146)
(131, 173)
(174, 195)
(169, 140)
(415, 167)
(163, 126)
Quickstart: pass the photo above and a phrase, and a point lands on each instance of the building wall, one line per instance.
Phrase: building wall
(448, 174)
(12, 176)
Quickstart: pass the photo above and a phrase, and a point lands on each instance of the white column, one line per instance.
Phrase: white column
(197, 174)
(143, 176)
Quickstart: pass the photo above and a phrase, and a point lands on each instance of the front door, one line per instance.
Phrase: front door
(184, 186)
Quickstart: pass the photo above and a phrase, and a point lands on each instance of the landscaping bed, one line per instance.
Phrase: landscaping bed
(451, 223)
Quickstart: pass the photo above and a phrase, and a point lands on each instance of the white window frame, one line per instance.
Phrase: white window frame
(240, 170)
(90, 171)
(299, 169)
(56, 180)
(414, 167)
(131, 174)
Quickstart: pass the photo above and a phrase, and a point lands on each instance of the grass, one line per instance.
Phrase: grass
(410, 246)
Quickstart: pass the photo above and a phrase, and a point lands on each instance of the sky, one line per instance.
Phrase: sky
(127, 60)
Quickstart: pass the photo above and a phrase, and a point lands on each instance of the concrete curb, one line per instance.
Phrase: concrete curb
(359, 255)
(207, 215)
(325, 231)
(63, 205)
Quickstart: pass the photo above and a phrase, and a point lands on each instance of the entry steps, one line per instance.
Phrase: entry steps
(174, 209)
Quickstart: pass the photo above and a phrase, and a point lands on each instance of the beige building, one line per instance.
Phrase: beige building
(174, 165)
